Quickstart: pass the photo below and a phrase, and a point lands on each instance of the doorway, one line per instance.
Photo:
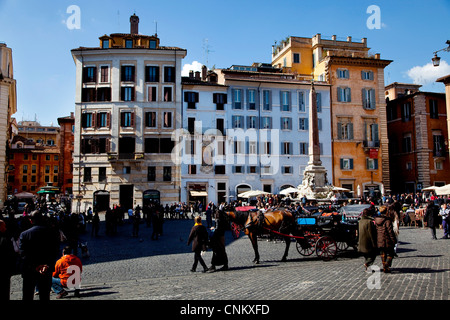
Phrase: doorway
(126, 196)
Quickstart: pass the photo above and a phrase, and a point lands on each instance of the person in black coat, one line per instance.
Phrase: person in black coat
(7, 261)
(431, 218)
(39, 249)
(199, 239)
(219, 257)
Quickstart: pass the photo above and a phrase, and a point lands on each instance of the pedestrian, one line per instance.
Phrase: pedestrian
(444, 213)
(386, 239)
(136, 221)
(199, 239)
(62, 274)
(219, 257)
(95, 224)
(7, 261)
(39, 248)
(209, 215)
(367, 238)
(431, 218)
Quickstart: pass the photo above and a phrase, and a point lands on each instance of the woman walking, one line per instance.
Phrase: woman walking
(386, 238)
(367, 238)
(199, 239)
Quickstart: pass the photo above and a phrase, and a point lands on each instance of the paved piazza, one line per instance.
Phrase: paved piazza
(125, 268)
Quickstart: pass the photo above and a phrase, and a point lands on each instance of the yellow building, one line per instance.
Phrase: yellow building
(358, 106)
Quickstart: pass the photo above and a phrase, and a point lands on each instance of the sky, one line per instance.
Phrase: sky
(215, 33)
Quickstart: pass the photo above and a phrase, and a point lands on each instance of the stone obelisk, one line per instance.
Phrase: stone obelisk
(314, 182)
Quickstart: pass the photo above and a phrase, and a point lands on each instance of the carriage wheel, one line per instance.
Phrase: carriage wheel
(235, 230)
(306, 246)
(326, 248)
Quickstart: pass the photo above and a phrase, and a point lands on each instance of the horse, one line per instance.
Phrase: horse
(256, 223)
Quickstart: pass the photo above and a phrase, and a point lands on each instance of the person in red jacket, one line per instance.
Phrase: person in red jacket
(62, 275)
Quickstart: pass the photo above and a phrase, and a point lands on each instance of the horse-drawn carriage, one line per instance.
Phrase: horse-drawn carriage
(323, 233)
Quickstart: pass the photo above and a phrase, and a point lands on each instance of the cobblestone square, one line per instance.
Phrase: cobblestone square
(123, 267)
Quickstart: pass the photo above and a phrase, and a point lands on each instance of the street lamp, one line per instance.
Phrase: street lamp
(436, 60)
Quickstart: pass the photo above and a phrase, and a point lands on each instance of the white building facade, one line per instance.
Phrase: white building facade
(127, 105)
(251, 132)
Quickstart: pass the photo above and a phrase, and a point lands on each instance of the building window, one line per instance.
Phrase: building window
(151, 74)
(105, 44)
(343, 74)
(285, 100)
(368, 97)
(169, 74)
(301, 102)
(104, 74)
(346, 164)
(266, 123)
(103, 94)
(266, 148)
(286, 170)
(128, 74)
(191, 98)
(192, 169)
(86, 175)
(252, 122)
(150, 119)
(128, 43)
(167, 92)
(406, 143)
(127, 93)
(303, 148)
(103, 119)
(102, 174)
(89, 74)
(367, 75)
(345, 130)
(434, 111)
(438, 165)
(237, 122)
(167, 119)
(438, 144)
(296, 57)
(371, 164)
(286, 148)
(267, 100)
(286, 123)
(371, 136)
(406, 112)
(219, 169)
(126, 119)
(237, 98)
(126, 170)
(303, 124)
(344, 94)
(152, 44)
(151, 173)
(167, 174)
(220, 99)
(251, 99)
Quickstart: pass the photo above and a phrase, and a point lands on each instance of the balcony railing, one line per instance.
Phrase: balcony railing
(371, 144)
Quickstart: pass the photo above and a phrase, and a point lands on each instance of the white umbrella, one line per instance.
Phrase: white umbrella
(444, 190)
(289, 190)
(432, 188)
(341, 189)
(253, 193)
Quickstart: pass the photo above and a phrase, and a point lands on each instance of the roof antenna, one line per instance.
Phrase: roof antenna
(156, 27)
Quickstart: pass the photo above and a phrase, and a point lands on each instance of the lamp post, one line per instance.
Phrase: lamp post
(436, 60)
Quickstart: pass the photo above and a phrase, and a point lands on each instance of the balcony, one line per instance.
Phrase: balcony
(125, 156)
(371, 144)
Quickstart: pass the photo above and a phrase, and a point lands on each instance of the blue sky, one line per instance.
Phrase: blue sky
(235, 31)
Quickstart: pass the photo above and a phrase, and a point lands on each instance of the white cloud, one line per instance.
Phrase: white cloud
(428, 73)
(195, 66)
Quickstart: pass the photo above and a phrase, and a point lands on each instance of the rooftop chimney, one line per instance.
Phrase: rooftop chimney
(134, 24)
